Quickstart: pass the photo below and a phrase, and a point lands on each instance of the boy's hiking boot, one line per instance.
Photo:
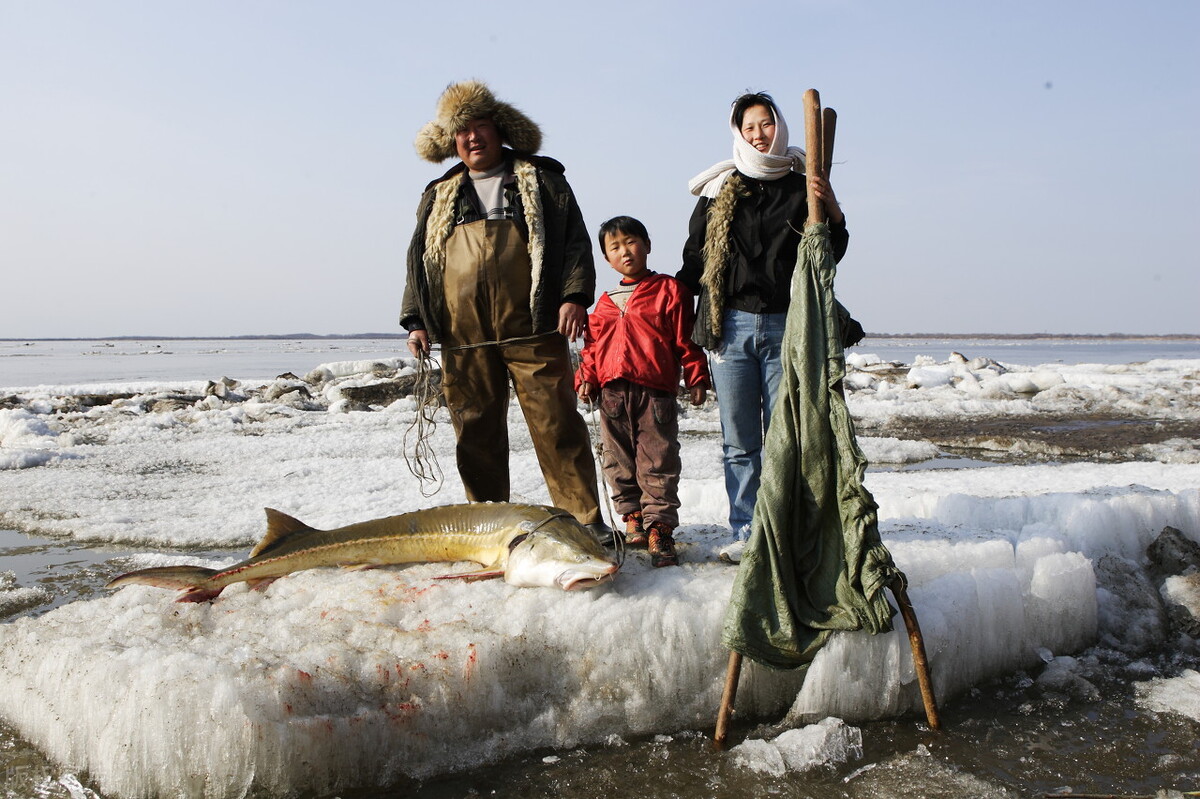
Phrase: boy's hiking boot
(662, 546)
(635, 533)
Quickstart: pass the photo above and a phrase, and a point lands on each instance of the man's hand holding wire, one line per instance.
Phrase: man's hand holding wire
(418, 343)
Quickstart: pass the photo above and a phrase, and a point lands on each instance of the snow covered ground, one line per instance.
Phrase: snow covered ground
(331, 680)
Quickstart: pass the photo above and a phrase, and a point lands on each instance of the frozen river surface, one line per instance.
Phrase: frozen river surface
(1061, 656)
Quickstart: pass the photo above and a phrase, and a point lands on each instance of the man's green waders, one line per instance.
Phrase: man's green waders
(487, 282)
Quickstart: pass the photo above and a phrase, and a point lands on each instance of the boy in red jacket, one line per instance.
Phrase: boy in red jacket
(637, 340)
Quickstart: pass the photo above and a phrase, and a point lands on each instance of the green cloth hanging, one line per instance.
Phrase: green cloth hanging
(814, 563)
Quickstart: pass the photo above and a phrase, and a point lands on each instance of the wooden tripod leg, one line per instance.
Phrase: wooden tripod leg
(828, 131)
(920, 663)
(813, 158)
(732, 673)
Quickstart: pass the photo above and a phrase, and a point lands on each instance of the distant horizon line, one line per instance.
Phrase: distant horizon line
(364, 336)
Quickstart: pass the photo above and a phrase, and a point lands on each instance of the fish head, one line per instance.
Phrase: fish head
(559, 554)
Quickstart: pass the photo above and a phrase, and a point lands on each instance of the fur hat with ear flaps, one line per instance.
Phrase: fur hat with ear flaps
(471, 99)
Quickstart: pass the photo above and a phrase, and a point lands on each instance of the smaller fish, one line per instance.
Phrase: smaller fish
(527, 545)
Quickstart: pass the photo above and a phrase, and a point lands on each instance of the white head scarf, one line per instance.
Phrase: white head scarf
(779, 160)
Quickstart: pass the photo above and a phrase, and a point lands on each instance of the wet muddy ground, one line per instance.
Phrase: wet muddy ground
(1051, 436)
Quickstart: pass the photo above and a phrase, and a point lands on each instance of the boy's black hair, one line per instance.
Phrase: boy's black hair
(623, 224)
(749, 100)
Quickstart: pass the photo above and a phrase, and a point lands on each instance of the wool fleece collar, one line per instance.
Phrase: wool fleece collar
(441, 220)
(718, 221)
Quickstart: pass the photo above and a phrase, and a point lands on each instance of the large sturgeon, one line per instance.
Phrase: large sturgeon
(527, 545)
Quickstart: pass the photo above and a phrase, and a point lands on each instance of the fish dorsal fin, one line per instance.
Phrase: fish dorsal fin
(279, 527)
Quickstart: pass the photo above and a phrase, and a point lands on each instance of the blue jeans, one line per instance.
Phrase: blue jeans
(746, 371)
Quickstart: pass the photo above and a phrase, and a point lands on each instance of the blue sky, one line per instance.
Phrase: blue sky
(229, 168)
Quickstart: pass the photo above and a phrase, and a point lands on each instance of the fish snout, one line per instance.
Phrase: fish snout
(579, 579)
(565, 556)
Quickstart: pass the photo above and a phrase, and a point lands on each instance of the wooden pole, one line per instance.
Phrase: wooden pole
(819, 130)
(917, 642)
(813, 158)
(828, 129)
(732, 673)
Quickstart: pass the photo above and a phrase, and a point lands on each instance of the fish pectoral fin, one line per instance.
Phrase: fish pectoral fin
(485, 574)
(261, 583)
(199, 595)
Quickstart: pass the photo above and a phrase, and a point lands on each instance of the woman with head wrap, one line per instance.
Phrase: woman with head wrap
(740, 254)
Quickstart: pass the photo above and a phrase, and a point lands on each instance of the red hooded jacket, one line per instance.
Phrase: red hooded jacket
(646, 344)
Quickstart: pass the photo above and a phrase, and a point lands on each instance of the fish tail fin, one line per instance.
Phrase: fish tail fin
(178, 577)
(279, 527)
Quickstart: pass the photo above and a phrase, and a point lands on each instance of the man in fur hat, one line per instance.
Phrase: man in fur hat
(500, 274)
